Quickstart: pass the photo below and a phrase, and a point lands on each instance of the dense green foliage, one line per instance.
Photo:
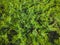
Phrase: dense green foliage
(29, 22)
